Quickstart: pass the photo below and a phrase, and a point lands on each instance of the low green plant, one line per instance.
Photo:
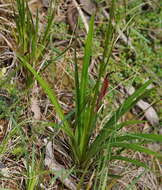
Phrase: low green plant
(31, 42)
(32, 177)
(85, 148)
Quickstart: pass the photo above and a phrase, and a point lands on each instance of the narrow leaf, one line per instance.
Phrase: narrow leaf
(133, 161)
(146, 137)
(86, 60)
(51, 94)
(111, 124)
(136, 147)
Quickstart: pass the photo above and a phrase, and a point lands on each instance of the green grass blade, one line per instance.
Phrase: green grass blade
(34, 38)
(108, 46)
(86, 61)
(77, 100)
(109, 135)
(83, 89)
(60, 54)
(133, 161)
(130, 187)
(4, 148)
(48, 27)
(32, 178)
(111, 124)
(86, 132)
(123, 124)
(109, 31)
(50, 93)
(146, 137)
(128, 104)
(136, 147)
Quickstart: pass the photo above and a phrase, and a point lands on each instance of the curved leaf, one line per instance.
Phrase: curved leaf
(146, 137)
(136, 147)
(133, 161)
(51, 94)
(111, 124)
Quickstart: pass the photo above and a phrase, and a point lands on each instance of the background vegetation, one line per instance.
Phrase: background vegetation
(70, 117)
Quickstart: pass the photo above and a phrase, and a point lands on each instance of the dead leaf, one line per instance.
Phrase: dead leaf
(149, 111)
(155, 147)
(34, 5)
(4, 171)
(35, 108)
(88, 6)
(83, 17)
(52, 164)
(3, 128)
(46, 3)
(72, 17)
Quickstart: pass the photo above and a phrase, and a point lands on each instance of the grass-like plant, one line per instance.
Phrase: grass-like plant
(85, 149)
(31, 42)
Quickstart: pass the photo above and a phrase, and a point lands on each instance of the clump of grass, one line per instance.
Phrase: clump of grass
(86, 149)
(31, 42)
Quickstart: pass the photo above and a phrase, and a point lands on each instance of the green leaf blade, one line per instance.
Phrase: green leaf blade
(136, 147)
(112, 123)
(86, 60)
(133, 161)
